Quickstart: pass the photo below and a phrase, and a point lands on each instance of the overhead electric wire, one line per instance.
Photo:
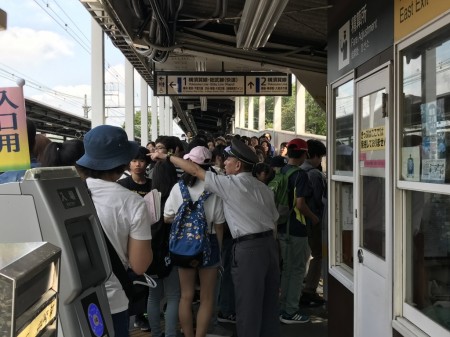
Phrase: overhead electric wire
(63, 25)
(73, 34)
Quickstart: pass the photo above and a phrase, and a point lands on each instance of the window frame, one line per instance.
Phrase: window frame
(405, 313)
(343, 273)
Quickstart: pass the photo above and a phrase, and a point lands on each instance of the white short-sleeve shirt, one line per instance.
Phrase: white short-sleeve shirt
(213, 205)
(122, 214)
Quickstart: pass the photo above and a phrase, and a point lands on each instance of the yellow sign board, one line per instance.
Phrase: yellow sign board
(14, 151)
(410, 15)
(373, 139)
(41, 321)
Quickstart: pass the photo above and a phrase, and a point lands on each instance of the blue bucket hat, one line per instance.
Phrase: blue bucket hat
(107, 147)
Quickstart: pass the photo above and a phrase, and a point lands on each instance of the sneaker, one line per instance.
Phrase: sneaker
(141, 322)
(231, 318)
(218, 331)
(294, 319)
(311, 299)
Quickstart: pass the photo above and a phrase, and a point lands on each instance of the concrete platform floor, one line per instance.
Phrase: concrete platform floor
(317, 327)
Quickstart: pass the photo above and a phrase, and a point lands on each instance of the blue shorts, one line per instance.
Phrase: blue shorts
(197, 261)
(214, 260)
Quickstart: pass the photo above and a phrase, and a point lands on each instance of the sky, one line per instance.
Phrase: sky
(47, 43)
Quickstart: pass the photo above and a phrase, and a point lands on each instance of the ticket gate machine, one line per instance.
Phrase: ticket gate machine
(53, 205)
(29, 280)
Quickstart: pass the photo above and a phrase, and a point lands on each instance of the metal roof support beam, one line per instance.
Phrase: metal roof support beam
(251, 109)
(300, 109)
(277, 114)
(262, 113)
(129, 99)
(98, 74)
(162, 130)
(237, 112)
(154, 109)
(144, 112)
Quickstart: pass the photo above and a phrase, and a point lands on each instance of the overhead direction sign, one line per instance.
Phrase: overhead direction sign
(222, 84)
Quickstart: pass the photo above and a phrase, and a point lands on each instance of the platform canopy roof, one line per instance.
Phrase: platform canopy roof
(216, 36)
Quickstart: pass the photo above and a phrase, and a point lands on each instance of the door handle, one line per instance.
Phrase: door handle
(360, 256)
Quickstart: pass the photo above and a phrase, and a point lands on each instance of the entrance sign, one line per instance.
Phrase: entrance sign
(222, 84)
(14, 151)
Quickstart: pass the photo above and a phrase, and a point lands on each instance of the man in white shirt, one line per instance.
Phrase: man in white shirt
(122, 213)
(250, 212)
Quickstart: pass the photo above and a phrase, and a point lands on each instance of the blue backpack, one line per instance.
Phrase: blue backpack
(189, 244)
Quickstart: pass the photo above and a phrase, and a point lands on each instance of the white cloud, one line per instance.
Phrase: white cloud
(24, 47)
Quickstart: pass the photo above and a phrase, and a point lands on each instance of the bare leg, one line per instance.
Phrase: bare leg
(187, 285)
(208, 279)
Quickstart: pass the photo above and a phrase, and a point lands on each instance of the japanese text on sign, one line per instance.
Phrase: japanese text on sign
(14, 152)
(373, 139)
(223, 84)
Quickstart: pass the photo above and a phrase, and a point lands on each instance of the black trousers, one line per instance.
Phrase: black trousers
(256, 277)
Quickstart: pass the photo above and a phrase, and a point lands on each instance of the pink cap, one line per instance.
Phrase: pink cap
(199, 155)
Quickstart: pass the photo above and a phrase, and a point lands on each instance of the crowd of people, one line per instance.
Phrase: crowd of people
(257, 273)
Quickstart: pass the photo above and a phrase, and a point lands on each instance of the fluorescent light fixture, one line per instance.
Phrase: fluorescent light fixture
(258, 20)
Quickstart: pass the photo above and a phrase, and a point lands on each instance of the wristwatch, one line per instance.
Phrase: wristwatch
(169, 154)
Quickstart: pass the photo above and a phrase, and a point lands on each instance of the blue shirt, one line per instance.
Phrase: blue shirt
(17, 175)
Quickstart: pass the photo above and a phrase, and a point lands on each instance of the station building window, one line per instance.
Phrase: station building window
(424, 175)
(342, 173)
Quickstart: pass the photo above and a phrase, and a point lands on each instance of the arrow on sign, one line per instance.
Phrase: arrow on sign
(161, 78)
(172, 85)
(251, 85)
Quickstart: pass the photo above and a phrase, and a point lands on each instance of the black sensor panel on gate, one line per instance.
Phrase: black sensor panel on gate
(90, 266)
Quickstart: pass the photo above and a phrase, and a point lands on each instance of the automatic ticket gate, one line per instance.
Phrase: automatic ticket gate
(53, 205)
(29, 280)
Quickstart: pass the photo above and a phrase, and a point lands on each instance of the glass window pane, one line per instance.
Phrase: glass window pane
(428, 251)
(344, 223)
(343, 109)
(372, 169)
(426, 109)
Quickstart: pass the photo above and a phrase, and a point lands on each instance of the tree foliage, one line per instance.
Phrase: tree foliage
(315, 115)
(137, 124)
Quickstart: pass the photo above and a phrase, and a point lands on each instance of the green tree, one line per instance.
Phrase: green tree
(288, 113)
(137, 123)
(316, 117)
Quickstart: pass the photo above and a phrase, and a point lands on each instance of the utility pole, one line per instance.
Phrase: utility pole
(86, 107)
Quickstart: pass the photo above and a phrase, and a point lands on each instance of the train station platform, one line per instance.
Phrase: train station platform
(317, 327)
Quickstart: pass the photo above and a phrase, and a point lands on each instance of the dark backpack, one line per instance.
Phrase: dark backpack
(189, 244)
(161, 263)
(280, 187)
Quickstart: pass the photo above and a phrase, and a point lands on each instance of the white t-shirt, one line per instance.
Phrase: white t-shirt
(213, 205)
(122, 214)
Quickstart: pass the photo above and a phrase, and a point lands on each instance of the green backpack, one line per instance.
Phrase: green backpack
(280, 188)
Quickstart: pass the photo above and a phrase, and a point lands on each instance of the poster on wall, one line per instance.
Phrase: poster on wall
(433, 170)
(411, 163)
(428, 112)
(347, 207)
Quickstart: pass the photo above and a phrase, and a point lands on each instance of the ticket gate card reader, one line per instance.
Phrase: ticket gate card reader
(29, 274)
(56, 200)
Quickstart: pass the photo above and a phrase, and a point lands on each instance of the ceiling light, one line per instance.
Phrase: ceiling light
(258, 20)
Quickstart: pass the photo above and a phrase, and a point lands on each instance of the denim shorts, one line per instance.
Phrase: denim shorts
(214, 260)
(197, 261)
